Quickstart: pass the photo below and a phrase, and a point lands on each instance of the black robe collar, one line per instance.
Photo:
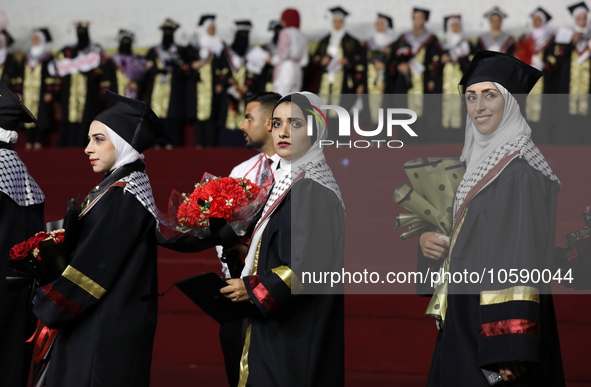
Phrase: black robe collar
(111, 178)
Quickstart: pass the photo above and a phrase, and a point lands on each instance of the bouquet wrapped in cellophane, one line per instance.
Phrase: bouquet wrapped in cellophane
(236, 200)
(430, 196)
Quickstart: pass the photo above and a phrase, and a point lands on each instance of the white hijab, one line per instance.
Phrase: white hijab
(384, 39)
(541, 34)
(478, 147)
(126, 154)
(334, 41)
(3, 50)
(312, 163)
(208, 43)
(36, 52)
(452, 38)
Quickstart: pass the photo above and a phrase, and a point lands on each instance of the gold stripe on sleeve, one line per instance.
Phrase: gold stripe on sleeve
(284, 273)
(516, 293)
(77, 277)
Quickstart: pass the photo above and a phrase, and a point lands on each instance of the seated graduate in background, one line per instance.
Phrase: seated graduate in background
(104, 303)
(297, 339)
(504, 218)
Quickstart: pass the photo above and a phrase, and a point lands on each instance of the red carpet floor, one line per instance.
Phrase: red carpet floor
(389, 341)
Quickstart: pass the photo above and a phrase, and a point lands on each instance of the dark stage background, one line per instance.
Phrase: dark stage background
(388, 338)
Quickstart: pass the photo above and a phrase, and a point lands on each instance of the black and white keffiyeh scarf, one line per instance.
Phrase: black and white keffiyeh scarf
(483, 152)
(311, 165)
(16, 182)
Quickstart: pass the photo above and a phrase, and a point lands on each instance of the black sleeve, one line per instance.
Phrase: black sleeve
(521, 221)
(311, 240)
(108, 237)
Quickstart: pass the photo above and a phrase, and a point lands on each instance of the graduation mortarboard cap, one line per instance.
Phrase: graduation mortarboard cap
(243, 25)
(423, 10)
(46, 34)
(82, 24)
(204, 18)
(542, 11)
(169, 24)
(12, 110)
(495, 11)
(447, 18)
(491, 66)
(274, 24)
(125, 34)
(9, 39)
(388, 20)
(134, 121)
(204, 290)
(573, 7)
(338, 10)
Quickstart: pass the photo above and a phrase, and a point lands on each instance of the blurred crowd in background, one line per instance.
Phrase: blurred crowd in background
(204, 86)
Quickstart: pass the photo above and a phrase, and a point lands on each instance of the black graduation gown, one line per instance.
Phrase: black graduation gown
(540, 108)
(165, 90)
(116, 80)
(452, 112)
(201, 100)
(8, 71)
(508, 46)
(572, 79)
(509, 224)
(354, 71)
(17, 224)
(33, 83)
(427, 54)
(231, 110)
(85, 89)
(298, 340)
(105, 303)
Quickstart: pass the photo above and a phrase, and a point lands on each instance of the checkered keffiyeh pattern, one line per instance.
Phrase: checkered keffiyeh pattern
(138, 184)
(527, 151)
(319, 172)
(16, 182)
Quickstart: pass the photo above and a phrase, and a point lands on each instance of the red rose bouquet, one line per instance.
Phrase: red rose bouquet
(224, 197)
(236, 199)
(40, 256)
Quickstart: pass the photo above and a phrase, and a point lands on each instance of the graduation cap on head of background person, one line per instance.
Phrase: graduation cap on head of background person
(205, 18)
(273, 24)
(578, 7)
(46, 34)
(388, 20)
(169, 24)
(122, 34)
(134, 121)
(338, 11)
(12, 110)
(495, 11)
(243, 25)
(82, 24)
(426, 12)
(542, 11)
(490, 66)
(447, 19)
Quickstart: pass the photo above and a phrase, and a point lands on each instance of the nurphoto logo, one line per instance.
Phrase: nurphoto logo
(394, 118)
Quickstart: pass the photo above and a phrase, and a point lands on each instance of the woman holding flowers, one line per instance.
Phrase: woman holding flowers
(504, 220)
(104, 303)
(297, 336)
